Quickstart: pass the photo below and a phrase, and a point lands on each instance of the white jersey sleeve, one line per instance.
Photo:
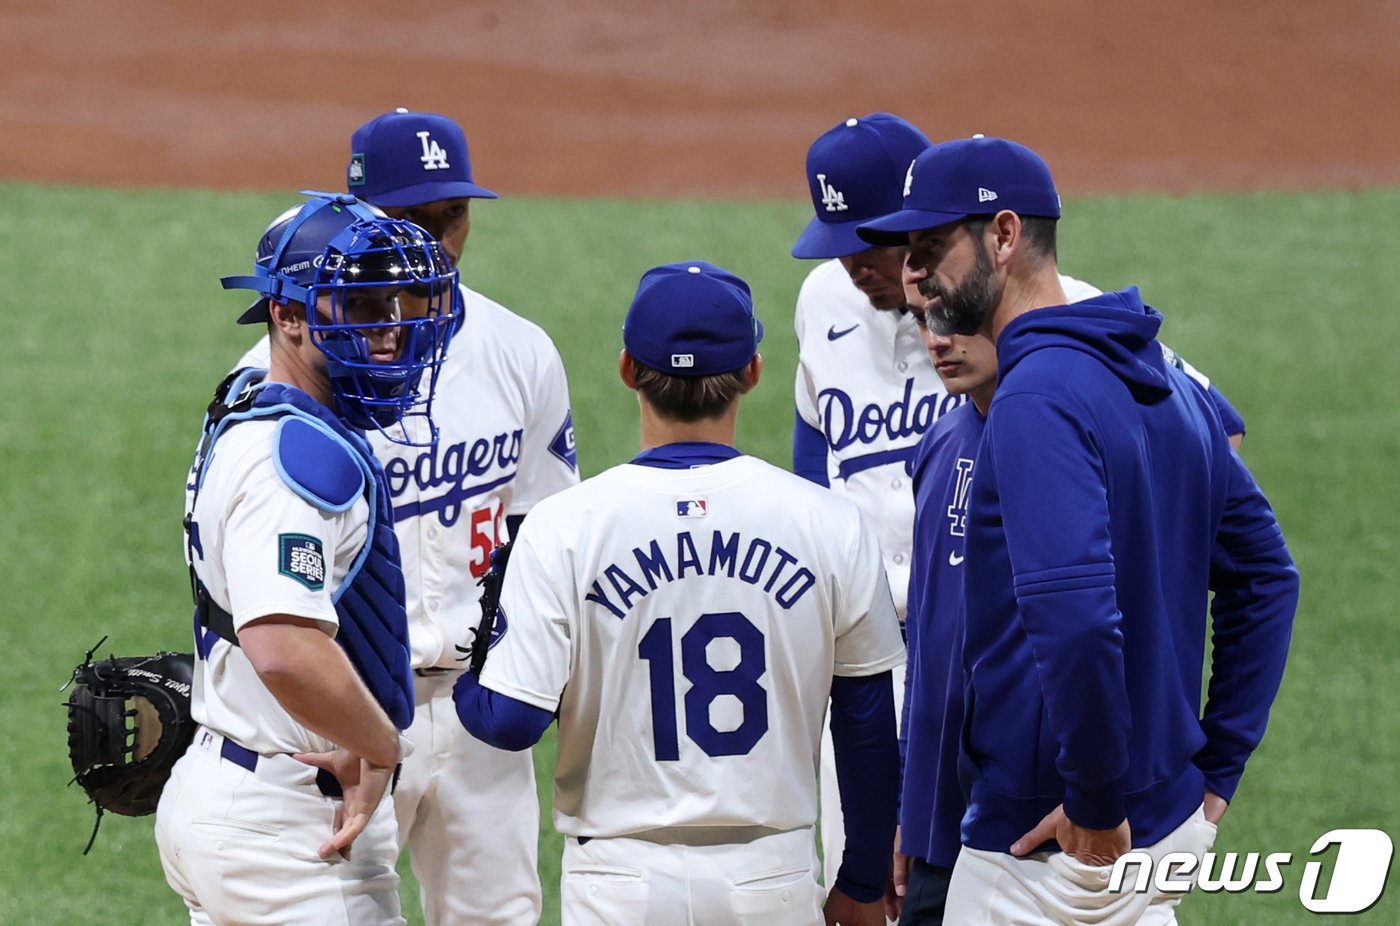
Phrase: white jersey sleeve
(267, 550)
(531, 663)
(867, 628)
(548, 460)
(274, 551)
(805, 389)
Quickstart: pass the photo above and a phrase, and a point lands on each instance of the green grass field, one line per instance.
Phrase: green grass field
(116, 331)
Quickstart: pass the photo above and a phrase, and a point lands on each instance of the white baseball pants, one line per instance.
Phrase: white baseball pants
(997, 889)
(469, 817)
(241, 846)
(770, 880)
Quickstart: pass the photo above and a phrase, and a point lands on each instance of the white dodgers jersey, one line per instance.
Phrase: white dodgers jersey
(865, 380)
(686, 623)
(505, 441)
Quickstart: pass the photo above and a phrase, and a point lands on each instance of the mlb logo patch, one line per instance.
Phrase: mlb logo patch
(691, 508)
(356, 174)
(300, 558)
(682, 361)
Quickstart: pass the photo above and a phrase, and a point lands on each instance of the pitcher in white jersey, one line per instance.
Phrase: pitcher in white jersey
(688, 614)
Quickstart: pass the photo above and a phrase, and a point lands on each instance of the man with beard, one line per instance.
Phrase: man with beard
(1107, 507)
(866, 390)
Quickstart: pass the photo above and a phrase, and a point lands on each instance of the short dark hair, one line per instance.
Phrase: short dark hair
(1037, 231)
(690, 398)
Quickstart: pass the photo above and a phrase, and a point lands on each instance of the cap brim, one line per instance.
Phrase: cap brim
(822, 240)
(893, 230)
(257, 312)
(421, 193)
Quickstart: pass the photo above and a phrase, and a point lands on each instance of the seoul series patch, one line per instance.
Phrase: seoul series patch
(562, 446)
(691, 508)
(300, 558)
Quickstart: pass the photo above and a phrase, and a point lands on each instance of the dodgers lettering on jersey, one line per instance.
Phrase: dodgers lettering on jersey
(718, 554)
(462, 471)
(865, 380)
(686, 623)
(877, 425)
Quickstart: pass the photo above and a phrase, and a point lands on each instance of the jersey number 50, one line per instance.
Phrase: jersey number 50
(706, 684)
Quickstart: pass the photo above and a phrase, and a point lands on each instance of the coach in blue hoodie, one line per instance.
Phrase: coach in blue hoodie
(1107, 505)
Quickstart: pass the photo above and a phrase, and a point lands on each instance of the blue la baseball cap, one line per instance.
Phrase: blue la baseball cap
(308, 229)
(404, 158)
(969, 176)
(855, 171)
(692, 319)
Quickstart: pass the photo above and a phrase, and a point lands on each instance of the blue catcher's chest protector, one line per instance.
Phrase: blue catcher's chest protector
(330, 466)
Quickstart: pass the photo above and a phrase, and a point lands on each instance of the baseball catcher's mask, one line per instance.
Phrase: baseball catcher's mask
(327, 252)
(128, 721)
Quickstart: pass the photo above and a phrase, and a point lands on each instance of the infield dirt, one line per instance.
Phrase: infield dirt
(712, 98)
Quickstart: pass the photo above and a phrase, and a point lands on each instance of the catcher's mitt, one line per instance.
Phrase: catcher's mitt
(490, 627)
(128, 721)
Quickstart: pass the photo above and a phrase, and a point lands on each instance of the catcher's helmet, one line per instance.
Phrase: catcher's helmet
(328, 247)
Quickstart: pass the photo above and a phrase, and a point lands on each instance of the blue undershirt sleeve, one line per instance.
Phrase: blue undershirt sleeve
(867, 775)
(808, 451)
(496, 719)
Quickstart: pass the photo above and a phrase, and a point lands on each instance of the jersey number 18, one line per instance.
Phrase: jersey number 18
(706, 684)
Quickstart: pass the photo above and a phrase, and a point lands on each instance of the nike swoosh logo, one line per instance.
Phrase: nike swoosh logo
(954, 559)
(832, 334)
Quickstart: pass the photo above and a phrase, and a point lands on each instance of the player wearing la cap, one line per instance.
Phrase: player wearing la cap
(1107, 511)
(301, 636)
(468, 814)
(866, 390)
(687, 614)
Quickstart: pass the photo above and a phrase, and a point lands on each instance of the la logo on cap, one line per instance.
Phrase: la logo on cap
(434, 155)
(833, 199)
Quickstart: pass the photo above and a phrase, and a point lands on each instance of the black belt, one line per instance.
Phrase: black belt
(329, 785)
(431, 671)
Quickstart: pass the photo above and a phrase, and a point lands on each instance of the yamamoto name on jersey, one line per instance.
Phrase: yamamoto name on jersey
(755, 561)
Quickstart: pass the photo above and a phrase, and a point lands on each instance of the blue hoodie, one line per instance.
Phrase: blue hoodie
(1106, 505)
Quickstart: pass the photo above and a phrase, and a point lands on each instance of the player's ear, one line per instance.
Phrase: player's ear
(755, 372)
(1005, 229)
(626, 370)
(286, 317)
